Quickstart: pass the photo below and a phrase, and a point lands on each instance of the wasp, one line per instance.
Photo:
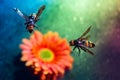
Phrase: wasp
(83, 43)
(31, 19)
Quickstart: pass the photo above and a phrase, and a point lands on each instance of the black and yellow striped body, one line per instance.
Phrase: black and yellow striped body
(89, 44)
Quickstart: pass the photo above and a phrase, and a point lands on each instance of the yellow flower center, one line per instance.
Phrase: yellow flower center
(46, 55)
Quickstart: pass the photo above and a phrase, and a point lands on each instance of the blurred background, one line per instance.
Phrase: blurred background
(70, 18)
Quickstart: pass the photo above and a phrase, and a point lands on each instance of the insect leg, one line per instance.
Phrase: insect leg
(74, 48)
(79, 51)
(37, 27)
(83, 49)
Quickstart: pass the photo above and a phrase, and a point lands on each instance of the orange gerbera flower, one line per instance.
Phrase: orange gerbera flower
(48, 54)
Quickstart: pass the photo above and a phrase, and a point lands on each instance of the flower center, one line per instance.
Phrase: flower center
(46, 55)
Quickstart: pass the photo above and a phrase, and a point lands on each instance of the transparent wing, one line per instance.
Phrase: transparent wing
(20, 13)
(85, 38)
(87, 50)
(85, 33)
(39, 12)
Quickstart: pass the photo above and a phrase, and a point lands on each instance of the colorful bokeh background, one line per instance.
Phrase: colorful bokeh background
(70, 18)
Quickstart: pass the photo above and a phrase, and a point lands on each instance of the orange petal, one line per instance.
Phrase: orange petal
(61, 64)
(63, 53)
(55, 37)
(33, 40)
(44, 66)
(38, 36)
(59, 69)
(37, 69)
(66, 63)
(28, 63)
(27, 42)
(24, 47)
(54, 70)
(26, 52)
(68, 58)
(38, 64)
(46, 72)
(24, 58)
(49, 70)
(54, 77)
(43, 77)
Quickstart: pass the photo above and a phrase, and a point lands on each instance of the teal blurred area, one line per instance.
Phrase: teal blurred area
(70, 18)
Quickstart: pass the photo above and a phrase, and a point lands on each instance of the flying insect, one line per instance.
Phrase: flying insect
(83, 43)
(31, 19)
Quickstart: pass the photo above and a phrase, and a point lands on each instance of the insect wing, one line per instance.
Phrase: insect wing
(20, 13)
(86, 38)
(87, 50)
(40, 11)
(85, 33)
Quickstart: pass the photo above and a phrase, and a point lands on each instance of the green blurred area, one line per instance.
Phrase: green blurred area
(70, 18)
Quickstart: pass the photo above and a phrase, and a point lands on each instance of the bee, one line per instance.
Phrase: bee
(83, 43)
(31, 19)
